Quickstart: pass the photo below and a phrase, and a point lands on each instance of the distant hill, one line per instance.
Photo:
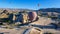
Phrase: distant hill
(43, 10)
(50, 10)
(13, 9)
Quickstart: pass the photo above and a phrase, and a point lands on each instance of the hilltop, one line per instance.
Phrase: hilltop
(50, 10)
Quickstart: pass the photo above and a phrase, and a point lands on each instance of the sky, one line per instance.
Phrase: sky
(29, 4)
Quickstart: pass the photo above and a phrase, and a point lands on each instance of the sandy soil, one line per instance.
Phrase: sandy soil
(43, 21)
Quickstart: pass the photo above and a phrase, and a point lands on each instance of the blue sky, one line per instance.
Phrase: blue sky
(29, 4)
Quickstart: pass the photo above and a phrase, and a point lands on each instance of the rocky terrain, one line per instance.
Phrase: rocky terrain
(41, 26)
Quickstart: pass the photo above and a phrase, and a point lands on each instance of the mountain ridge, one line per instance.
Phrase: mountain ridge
(50, 10)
